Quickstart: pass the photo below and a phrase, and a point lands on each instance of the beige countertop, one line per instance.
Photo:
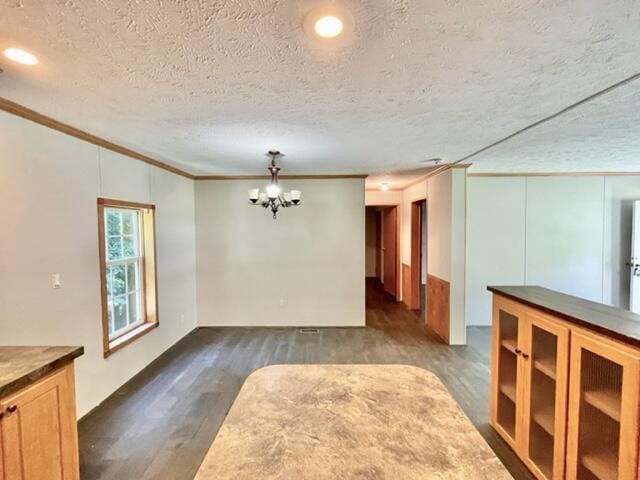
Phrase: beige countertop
(20, 366)
(347, 422)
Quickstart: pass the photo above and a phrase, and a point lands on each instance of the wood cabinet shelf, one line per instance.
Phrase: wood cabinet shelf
(509, 391)
(509, 344)
(546, 366)
(545, 418)
(601, 465)
(605, 400)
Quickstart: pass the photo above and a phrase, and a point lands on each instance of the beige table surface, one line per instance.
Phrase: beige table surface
(347, 422)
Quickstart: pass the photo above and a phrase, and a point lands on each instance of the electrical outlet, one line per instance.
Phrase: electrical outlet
(55, 281)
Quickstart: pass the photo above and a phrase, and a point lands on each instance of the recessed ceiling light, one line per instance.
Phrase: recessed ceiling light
(384, 187)
(20, 56)
(329, 26)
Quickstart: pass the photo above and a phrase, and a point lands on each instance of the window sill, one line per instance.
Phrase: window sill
(129, 337)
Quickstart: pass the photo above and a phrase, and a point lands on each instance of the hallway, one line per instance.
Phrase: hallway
(161, 423)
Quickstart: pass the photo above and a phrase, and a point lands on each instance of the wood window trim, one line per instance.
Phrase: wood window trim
(149, 276)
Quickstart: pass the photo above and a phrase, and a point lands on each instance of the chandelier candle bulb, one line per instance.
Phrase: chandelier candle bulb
(287, 197)
(254, 194)
(273, 191)
(295, 196)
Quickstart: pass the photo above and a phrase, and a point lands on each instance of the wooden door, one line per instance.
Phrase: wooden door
(390, 250)
(545, 352)
(2, 475)
(416, 255)
(604, 391)
(508, 334)
(39, 436)
(379, 245)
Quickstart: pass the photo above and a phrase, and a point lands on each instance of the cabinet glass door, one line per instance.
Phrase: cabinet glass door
(603, 420)
(546, 359)
(505, 369)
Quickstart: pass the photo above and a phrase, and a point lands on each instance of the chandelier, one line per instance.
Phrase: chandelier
(274, 197)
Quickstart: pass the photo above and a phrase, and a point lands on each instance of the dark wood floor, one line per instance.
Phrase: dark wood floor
(161, 423)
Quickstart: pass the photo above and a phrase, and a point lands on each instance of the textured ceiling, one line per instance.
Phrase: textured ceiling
(602, 135)
(397, 180)
(209, 86)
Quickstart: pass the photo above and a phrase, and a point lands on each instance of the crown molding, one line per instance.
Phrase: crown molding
(552, 174)
(281, 177)
(28, 114)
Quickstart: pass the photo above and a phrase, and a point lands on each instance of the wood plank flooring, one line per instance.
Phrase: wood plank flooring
(161, 423)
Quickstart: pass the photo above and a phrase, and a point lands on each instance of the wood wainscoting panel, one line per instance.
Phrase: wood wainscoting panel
(438, 306)
(406, 285)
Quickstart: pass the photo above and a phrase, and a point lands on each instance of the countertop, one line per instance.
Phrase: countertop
(604, 319)
(20, 366)
(333, 422)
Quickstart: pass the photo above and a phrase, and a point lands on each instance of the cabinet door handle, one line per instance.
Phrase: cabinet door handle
(12, 408)
(518, 351)
(525, 355)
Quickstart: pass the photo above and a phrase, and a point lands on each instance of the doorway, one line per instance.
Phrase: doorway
(382, 247)
(418, 276)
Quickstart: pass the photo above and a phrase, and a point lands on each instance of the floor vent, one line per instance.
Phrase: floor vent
(308, 330)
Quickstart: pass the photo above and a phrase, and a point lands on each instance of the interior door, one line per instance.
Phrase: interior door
(379, 245)
(390, 248)
(635, 259)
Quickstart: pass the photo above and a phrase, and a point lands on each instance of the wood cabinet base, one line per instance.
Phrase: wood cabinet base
(566, 399)
(38, 432)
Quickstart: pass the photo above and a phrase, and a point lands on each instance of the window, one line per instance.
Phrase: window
(127, 267)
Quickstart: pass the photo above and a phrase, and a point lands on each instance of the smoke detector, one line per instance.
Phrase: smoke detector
(435, 161)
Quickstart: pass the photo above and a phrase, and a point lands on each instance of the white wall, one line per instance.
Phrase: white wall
(569, 233)
(49, 183)
(495, 240)
(457, 329)
(305, 268)
(380, 198)
(564, 234)
(370, 242)
(439, 204)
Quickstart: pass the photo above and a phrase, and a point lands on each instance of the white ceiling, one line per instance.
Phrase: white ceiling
(209, 86)
(397, 180)
(602, 135)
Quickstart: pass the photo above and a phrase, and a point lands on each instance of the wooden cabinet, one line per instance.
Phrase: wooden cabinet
(529, 385)
(38, 434)
(604, 401)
